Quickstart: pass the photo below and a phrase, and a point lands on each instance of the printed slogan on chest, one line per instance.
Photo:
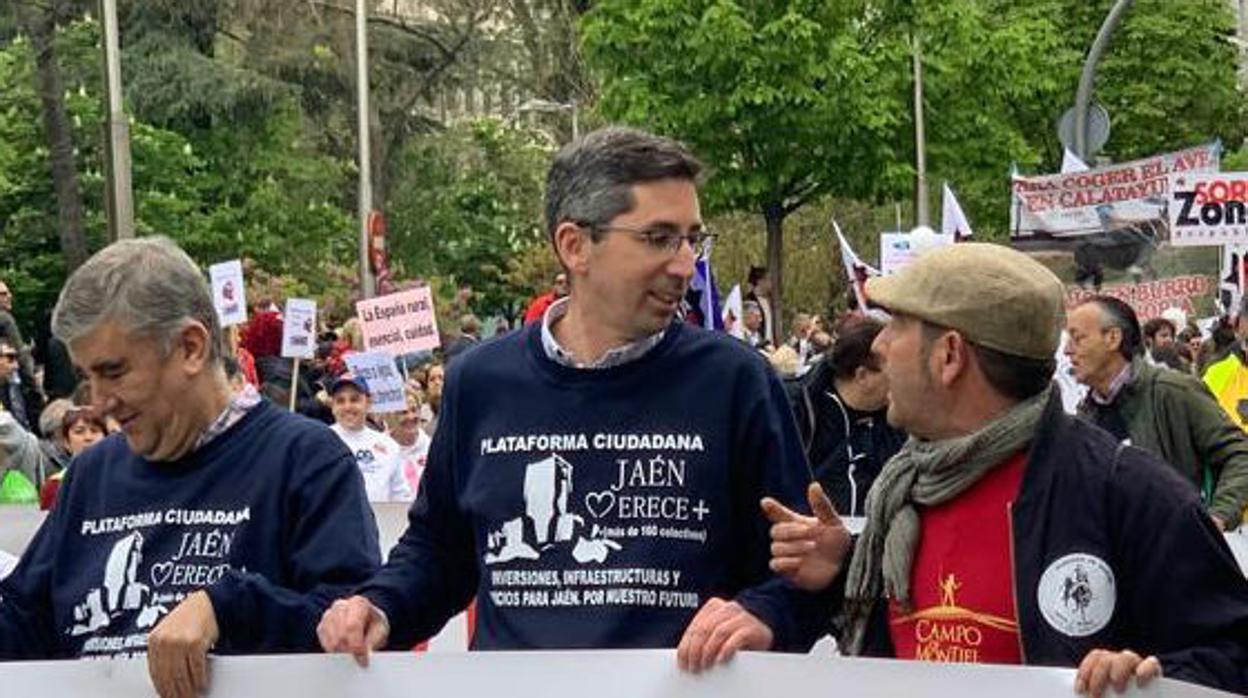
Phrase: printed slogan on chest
(592, 497)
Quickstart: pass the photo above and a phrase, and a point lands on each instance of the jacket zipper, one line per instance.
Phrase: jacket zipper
(853, 492)
(849, 453)
(1018, 617)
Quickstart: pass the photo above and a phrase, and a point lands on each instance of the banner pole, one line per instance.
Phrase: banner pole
(294, 384)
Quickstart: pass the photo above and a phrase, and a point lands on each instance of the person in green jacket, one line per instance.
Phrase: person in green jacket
(1167, 412)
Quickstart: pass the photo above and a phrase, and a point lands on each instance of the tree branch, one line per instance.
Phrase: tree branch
(396, 23)
(801, 197)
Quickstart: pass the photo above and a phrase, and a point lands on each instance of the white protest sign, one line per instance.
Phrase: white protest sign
(895, 252)
(385, 384)
(299, 329)
(228, 294)
(400, 322)
(616, 674)
(898, 250)
(1209, 209)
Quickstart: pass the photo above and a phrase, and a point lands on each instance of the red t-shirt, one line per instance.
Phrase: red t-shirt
(962, 582)
(538, 307)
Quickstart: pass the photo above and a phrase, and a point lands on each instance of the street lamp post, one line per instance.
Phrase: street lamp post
(118, 197)
(920, 140)
(1083, 96)
(366, 185)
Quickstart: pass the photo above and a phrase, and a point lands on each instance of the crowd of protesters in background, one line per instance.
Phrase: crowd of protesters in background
(849, 385)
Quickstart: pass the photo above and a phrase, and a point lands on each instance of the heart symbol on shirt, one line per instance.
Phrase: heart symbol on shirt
(600, 503)
(161, 573)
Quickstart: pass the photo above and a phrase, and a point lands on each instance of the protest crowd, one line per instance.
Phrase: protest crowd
(960, 467)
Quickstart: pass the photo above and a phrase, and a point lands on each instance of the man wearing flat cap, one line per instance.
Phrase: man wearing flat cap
(1006, 531)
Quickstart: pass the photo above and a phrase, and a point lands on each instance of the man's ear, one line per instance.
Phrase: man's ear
(955, 357)
(193, 347)
(572, 245)
(1113, 337)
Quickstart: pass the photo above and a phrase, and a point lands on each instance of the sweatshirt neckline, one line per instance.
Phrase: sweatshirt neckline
(565, 375)
(193, 459)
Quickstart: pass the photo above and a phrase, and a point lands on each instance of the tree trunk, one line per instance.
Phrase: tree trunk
(773, 215)
(41, 24)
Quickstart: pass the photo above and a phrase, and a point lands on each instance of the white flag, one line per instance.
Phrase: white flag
(857, 270)
(1072, 163)
(952, 219)
(733, 312)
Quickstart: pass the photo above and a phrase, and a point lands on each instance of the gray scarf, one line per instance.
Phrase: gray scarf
(923, 473)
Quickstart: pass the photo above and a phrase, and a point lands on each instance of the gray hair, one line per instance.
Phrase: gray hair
(53, 416)
(147, 285)
(1116, 313)
(591, 179)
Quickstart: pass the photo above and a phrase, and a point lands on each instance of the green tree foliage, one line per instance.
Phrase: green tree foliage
(791, 101)
(247, 188)
(998, 74)
(787, 101)
(467, 203)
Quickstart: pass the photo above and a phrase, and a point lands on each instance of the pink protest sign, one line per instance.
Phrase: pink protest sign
(400, 322)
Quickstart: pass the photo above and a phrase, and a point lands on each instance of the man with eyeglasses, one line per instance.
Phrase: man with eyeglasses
(15, 397)
(595, 479)
(12, 334)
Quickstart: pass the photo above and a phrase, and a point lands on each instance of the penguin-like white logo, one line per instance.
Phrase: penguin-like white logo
(1077, 594)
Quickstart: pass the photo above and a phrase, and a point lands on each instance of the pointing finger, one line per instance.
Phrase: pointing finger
(820, 505)
(777, 512)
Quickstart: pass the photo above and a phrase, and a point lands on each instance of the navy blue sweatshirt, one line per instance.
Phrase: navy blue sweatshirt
(269, 518)
(599, 508)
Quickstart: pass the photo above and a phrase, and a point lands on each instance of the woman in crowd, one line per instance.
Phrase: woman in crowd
(80, 429)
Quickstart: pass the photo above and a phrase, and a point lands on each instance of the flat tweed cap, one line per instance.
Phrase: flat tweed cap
(995, 296)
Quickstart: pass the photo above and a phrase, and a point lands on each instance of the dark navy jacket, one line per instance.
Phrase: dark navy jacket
(1177, 590)
(269, 519)
(600, 508)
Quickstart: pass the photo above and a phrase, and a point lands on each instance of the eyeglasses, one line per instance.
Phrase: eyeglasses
(663, 240)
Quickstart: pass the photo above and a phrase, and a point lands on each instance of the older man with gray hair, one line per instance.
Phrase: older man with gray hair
(212, 521)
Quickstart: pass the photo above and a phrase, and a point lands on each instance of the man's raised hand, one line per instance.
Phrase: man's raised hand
(809, 551)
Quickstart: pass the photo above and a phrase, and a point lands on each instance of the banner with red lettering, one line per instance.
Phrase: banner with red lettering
(1125, 196)
(1150, 298)
(1209, 209)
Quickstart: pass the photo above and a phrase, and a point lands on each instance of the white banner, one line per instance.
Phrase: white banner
(1104, 199)
(299, 329)
(605, 674)
(1149, 299)
(385, 384)
(228, 293)
(1209, 209)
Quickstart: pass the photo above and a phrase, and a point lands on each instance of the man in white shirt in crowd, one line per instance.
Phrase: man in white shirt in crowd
(376, 454)
(407, 430)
